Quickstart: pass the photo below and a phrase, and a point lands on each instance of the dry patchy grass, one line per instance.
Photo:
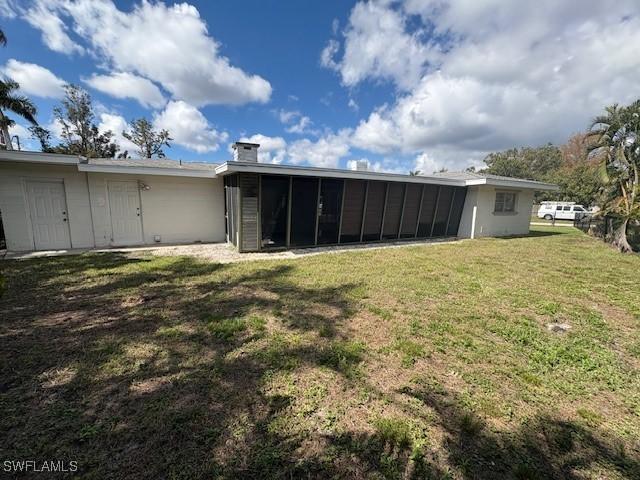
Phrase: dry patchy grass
(418, 362)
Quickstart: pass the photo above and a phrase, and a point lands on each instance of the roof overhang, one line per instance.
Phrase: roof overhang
(172, 172)
(38, 157)
(271, 169)
(514, 183)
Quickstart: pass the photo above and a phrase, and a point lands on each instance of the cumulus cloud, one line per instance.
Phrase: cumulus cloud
(189, 127)
(426, 165)
(54, 31)
(127, 85)
(296, 122)
(117, 124)
(272, 149)
(377, 44)
(478, 76)
(34, 79)
(167, 44)
(326, 152)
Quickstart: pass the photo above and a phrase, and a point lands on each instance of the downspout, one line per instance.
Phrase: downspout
(473, 221)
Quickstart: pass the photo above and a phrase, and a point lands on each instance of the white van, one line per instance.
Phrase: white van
(561, 210)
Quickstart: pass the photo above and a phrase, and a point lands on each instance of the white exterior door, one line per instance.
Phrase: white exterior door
(124, 204)
(49, 219)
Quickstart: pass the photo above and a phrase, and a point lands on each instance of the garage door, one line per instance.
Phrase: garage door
(49, 219)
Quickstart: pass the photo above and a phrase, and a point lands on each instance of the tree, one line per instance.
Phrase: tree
(43, 136)
(11, 101)
(414, 173)
(532, 163)
(616, 136)
(3, 38)
(148, 140)
(80, 135)
(578, 176)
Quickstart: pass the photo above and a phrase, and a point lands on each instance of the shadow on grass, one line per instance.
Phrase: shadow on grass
(160, 368)
(533, 233)
(151, 368)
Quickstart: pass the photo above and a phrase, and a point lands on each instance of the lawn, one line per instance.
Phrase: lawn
(428, 361)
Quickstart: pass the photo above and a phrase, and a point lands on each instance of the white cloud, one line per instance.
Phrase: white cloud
(189, 127)
(117, 124)
(169, 45)
(324, 152)
(353, 105)
(127, 85)
(327, 54)
(490, 75)
(8, 9)
(296, 122)
(287, 116)
(378, 45)
(272, 149)
(301, 126)
(34, 79)
(426, 165)
(24, 137)
(54, 30)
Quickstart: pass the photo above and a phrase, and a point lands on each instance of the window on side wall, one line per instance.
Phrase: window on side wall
(505, 202)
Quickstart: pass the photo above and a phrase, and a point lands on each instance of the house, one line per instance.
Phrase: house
(52, 201)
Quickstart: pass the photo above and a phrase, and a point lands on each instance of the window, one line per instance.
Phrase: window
(578, 209)
(559, 208)
(567, 209)
(505, 202)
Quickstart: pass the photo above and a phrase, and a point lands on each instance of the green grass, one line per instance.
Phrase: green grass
(429, 361)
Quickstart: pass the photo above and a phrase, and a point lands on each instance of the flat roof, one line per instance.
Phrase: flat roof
(461, 179)
(131, 166)
(163, 166)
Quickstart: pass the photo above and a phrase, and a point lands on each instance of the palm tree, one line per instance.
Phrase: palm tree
(12, 101)
(617, 145)
(414, 173)
(3, 38)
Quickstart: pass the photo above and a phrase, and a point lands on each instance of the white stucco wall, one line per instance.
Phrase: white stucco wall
(489, 223)
(179, 209)
(15, 208)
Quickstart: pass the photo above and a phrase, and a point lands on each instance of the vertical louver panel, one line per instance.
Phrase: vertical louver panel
(352, 209)
(427, 210)
(442, 212)
(456, 210)
(393, 210)
(411, 207)
(373, 214)
(249, 212)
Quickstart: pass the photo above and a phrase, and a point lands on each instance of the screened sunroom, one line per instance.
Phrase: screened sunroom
(270, 211)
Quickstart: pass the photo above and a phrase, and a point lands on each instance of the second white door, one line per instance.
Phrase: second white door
(124, 204)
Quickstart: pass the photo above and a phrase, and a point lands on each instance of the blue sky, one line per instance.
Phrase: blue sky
(419, 84)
